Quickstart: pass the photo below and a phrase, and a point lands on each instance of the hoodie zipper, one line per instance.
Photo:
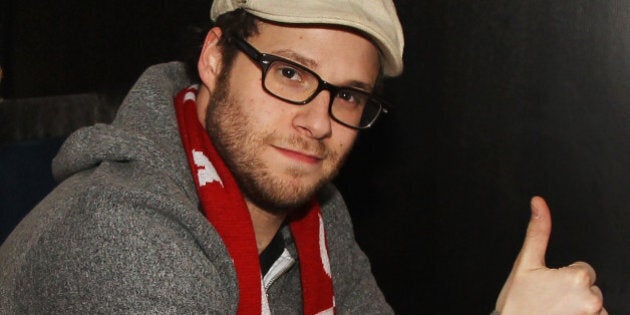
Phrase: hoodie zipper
(279, 268)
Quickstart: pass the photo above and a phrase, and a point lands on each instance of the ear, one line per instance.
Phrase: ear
(209, 68)
(210, 60)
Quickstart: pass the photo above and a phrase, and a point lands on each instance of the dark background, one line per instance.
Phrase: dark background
(500, 100)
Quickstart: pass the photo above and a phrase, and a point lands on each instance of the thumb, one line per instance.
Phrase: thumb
(532, 254)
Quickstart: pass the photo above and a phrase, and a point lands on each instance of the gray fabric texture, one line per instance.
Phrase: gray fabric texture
(123, 232)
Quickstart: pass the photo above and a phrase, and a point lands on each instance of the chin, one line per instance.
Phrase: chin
(283, 196)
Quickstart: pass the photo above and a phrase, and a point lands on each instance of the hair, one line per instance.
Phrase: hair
(237, 23)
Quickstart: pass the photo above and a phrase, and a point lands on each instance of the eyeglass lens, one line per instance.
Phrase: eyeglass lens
(297, 84)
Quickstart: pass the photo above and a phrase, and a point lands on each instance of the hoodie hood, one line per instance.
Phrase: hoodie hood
(144, 130)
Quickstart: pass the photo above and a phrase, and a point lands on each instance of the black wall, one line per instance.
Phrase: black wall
(500, 100)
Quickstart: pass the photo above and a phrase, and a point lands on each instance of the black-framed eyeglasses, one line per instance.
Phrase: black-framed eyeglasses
(296, 84)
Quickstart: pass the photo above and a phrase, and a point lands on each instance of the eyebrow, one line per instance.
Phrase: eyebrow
(290, 54)
(368, 88)
(311, 64)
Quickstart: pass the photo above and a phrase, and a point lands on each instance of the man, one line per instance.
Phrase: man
(216, 198)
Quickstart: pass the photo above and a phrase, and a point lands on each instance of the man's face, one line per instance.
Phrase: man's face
(279, 153)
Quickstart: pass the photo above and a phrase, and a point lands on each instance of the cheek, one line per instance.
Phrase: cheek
(270, 113)
(254, 109)
(343, 139)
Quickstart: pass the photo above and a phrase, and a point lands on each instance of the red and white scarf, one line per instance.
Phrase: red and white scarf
(225, 208)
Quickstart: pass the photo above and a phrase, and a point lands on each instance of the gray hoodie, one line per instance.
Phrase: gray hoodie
(122, 233)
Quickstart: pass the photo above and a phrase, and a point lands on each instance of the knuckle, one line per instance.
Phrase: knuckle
(581, 277)
(593, 304)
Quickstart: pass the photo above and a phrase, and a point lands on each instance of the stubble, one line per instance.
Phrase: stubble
(241, 149)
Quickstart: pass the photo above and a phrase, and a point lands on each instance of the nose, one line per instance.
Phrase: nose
(313, 118)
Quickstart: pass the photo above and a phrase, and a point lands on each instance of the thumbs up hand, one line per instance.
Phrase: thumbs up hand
(532, 288)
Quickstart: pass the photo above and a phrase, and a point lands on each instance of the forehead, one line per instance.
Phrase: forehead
(337, 55)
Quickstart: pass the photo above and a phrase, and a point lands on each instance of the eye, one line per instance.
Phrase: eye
(290, 73)
(352, 97)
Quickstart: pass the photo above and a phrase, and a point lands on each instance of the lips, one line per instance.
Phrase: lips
(305, 157)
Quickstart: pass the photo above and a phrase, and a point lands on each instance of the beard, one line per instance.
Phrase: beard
(241, 146)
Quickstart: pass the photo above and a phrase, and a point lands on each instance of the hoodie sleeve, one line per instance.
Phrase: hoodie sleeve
(103, 249)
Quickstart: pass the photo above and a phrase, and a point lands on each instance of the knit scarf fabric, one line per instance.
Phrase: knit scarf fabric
(225, 208)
